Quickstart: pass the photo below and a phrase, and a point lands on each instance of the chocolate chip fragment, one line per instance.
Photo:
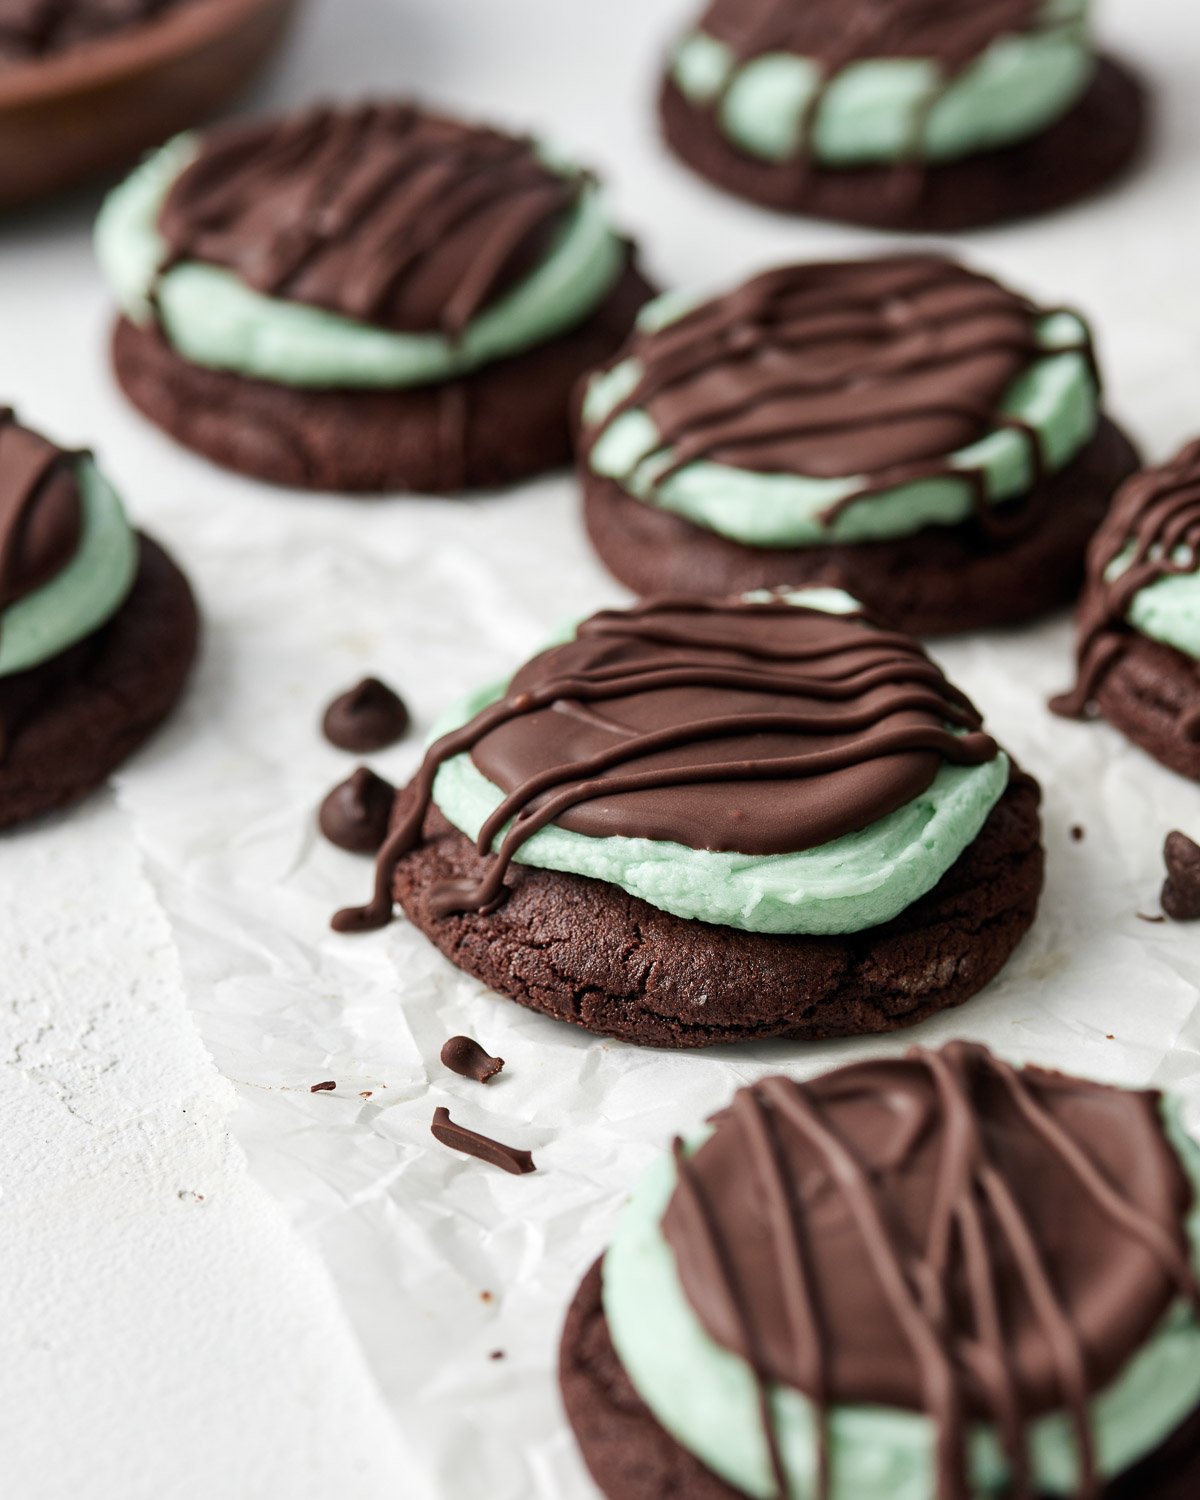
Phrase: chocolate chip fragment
(323, 1088)
(471, 1143)
(355, 814)
(1181, 889)
(463, 1055)
(369, 717)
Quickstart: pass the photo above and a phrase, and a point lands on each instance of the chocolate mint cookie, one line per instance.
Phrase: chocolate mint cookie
(906, 115)
(1139, 617)
(930, 1278)
(364, 299)
(97, 627)
(904, 427)
(697, 821)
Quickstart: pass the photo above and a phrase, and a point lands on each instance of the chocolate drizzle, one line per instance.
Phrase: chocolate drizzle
(892, 1233)
(1156, 519)
(875, 370)
(397, 218)
(37, 28)
(838, 33)
(762, 728)
(40, 521)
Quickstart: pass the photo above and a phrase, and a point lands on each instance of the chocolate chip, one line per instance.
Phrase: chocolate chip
(464, 1056)
(355, 814)
(471, 1143)
(323, 1088)
(1181, 889)
(369, 717)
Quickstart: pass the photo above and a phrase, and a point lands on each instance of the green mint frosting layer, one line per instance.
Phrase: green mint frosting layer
(1167, 610)
(84, 594)
(707, 1397)
(1056, 396)
(213, 319)
(858, 881)
(879, 109)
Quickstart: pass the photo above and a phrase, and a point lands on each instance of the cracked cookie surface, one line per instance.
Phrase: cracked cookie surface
(591, 954)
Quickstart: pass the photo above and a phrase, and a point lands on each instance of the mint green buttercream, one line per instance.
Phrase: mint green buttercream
(1167, 610)
(213, 319)
(707, 1397)
(878, 109)
(858, 881)
(82, 595)
(1056, 396)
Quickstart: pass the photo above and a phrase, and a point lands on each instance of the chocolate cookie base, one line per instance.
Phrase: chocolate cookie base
(942, 580)
(587, 952)
(505, 422)
(1086, 150)
(79, 716)
(631, 1457)
(1149, 694)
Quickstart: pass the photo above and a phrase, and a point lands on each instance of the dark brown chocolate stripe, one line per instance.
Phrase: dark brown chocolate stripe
(877, 370)
(838, 33)
(41, 517)
(482, 1147)
(1156, 514)
(760, 728)
(397, 218)
(36, 28)
(888, 1234)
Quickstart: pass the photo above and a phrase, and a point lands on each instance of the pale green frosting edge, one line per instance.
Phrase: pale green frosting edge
(706, 1396)
(1169, 611)
(847, 885)
(872, 111)
(84, 594)
(1056, 396)
(213, 319)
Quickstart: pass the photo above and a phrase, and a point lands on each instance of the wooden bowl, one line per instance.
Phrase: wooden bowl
(94, 109)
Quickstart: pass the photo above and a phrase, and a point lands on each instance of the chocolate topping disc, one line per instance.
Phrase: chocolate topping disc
(878, 368)
(40, 510)
(1156, 517)
(945, 1234)
(763, 728)
(400, 219)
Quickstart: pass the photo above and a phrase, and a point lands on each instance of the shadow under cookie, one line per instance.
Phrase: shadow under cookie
(631, 1457)
(587, 952)
(1085, 151)
(77, 717)
(506, 421)
(942, 580)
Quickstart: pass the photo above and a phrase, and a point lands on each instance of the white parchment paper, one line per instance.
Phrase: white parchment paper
(441, 1262)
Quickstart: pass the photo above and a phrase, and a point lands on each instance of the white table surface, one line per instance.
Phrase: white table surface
(217, 1284)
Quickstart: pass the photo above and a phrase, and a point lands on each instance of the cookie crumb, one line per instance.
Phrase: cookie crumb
(1077, 833)
(323, 1088)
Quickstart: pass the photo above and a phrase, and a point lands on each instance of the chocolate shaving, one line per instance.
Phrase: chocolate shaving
(1181, 889)
(323, 1088)
(471, 1143)
(464, 1056)
(371, 716)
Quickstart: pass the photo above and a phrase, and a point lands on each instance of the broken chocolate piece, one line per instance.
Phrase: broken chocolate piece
(463, 1055)
(1181, 889)
(471, 1143)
